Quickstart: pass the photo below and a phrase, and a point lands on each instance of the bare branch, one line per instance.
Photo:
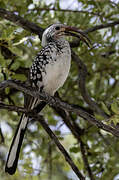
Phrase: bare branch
(76, 43)
(12, 108)
(77, 132)
(85, 160)
(102, 26)
(56, 102)
(25, 24)
(50, 163)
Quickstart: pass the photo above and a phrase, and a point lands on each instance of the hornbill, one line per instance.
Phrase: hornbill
(48, 73)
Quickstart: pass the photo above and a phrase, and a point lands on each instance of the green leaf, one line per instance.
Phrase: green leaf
(20, 77)
(7, 90)
(115, 119)
(74, 149)
(15, 65)
(104, 107)
(115, 107)
(57, 133)
(16, 50)
(2, 61)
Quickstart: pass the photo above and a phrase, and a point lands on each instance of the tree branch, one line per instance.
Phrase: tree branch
(102, 26)
(75, 43)
(32, 27)
(85, 160)
(25, 24)
(61, 148)
(56, 102)
(2, 137)
(66, 10)
(12, 108)
(50, 133)
(77, 132)
(82, 81)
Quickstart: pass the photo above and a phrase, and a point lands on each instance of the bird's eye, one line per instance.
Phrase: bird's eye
(57, 28)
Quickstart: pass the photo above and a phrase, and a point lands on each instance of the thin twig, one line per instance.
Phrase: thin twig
(50, 160)
(2, 137)
(12, 108)
(66, 10)
(85, 160)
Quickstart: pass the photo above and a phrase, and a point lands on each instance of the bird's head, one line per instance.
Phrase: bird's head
(57, 31)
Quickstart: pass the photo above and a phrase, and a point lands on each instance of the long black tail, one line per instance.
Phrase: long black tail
(13, 156)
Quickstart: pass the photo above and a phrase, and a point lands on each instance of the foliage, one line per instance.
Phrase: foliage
(40, 159)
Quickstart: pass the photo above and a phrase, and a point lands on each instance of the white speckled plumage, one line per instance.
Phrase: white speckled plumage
(54, 69)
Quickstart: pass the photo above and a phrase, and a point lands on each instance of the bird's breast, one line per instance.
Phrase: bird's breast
(56, 72)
